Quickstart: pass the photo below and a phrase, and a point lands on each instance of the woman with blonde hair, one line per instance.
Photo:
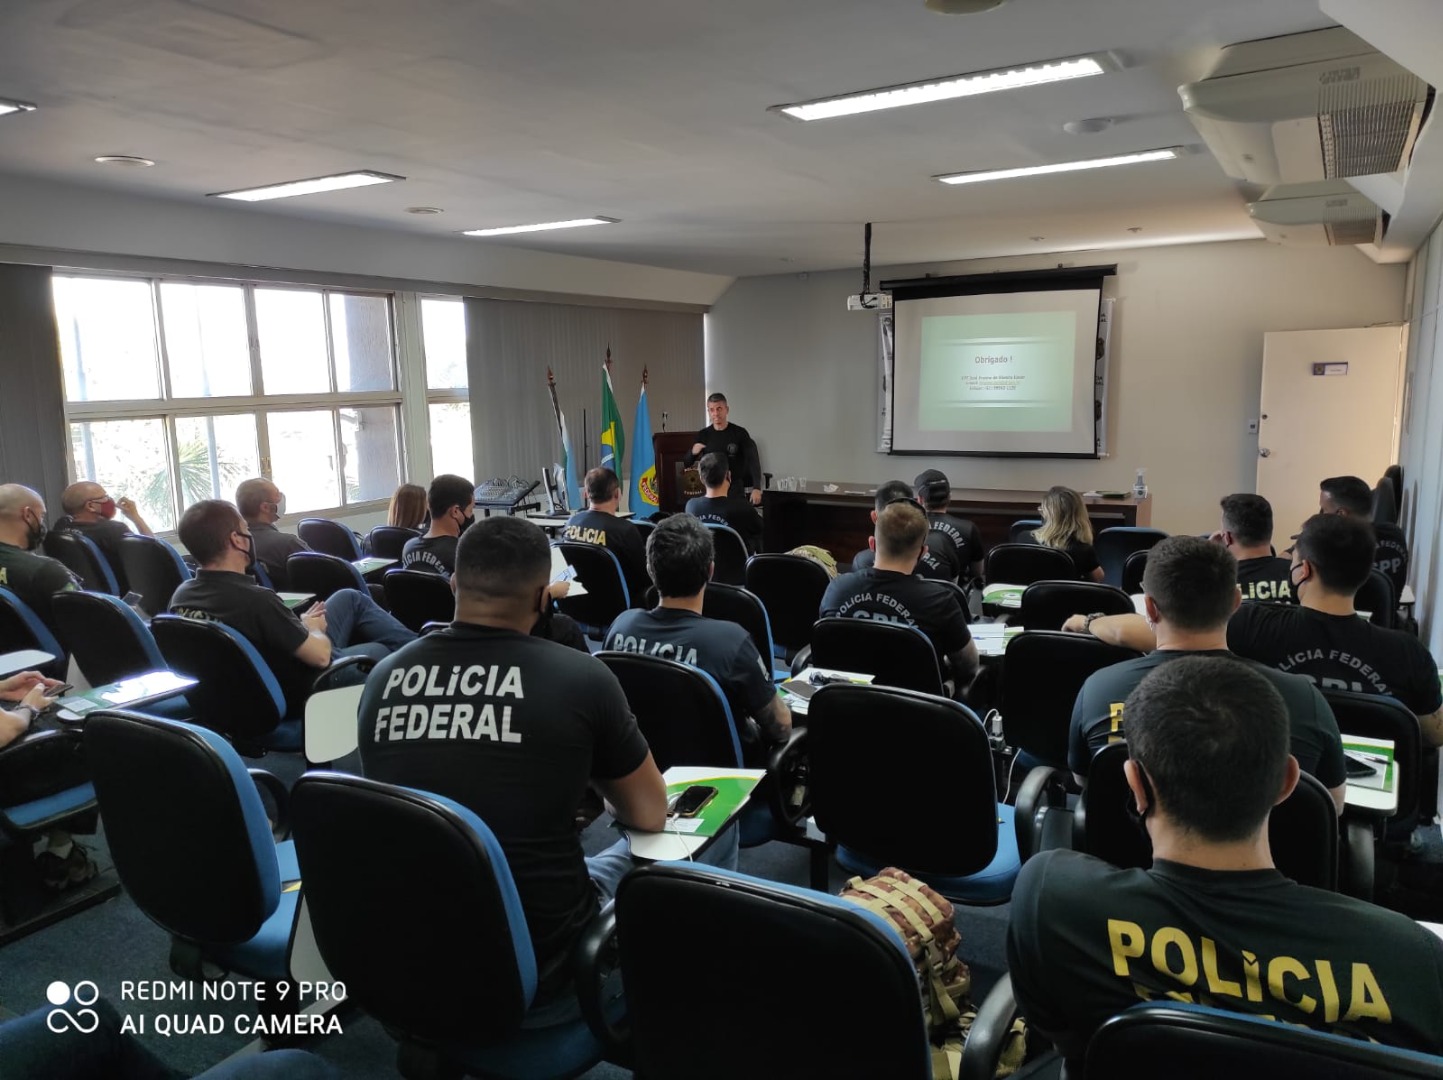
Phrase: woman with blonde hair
(408, 507)
(1066, 526)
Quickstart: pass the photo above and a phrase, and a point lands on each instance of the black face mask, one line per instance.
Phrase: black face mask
(467, 522)
(250, 550)
(35, 533)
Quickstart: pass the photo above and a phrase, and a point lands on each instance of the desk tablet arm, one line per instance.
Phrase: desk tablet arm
(991, 1032)
(278, 805)
(801, 660)
(595, 961)
(323, 680)
(788, 793)
(1044, 791)
(35, 766)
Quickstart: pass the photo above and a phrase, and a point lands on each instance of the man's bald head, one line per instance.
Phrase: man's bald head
(251, 494)
(16, 497)
(74, 498)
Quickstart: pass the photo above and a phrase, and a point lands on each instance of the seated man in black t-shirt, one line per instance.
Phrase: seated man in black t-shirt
(1350, 496)
(89, 510)
(1190, 590)
(599, 525)
(452, 502)
(1247, 531)
(939, 560)
(515, 728)
(1212, 921)
(295, 648)
(33, 577)
(891, 592)
(717, 507)
(934, 492)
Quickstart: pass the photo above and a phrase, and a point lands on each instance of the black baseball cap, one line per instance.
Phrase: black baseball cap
(932, 483)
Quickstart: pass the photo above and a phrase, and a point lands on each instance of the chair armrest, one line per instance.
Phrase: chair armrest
(432, 626)
(787, 769)
(802, 658)
(1356, 860)
(270, 783)
(365, 663)
(594, 958)
(990, 1032)
(1044, 789)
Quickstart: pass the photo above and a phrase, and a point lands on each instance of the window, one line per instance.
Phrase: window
(177, 390)
(448, 405)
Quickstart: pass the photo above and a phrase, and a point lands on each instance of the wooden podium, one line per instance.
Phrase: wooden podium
(676, 481)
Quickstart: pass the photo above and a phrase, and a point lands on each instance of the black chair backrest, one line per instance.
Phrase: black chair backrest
(1377, 599)
(1046, 605)
(153, 569)
(1385, 502)
(329, 537)
(108, 640)
(1376, 717)
(1021, 530)
(679, 709)
(1041, 675)
(177, 827)
(1302, 831)
(1193, 1042)
(1114, 545)
(1022, 564)
(322, 574)
(606, 593)
(21, 628)
(785, 929)
(1395, 474)
(417, 597)
(734, 604)
(83, 558)
(386, 541)
(363, 848)
(895, 654)
(236, 693)
(730, 555)
(1133, 568)
(645, 529)
(791, 588)
(902, 777)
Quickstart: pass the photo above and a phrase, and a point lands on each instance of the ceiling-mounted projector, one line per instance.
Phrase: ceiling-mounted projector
(1328, 212)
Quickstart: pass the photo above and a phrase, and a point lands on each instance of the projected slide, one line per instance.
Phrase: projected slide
(997, 372)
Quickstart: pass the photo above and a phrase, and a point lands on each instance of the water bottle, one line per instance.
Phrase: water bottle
(1139, 485)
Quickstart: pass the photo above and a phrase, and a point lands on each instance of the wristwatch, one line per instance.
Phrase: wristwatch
(1087, 623)
(31, 712)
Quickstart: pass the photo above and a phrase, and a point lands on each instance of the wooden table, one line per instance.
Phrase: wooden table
(839, 519)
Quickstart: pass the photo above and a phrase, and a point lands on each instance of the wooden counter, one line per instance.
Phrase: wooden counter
(840, 520)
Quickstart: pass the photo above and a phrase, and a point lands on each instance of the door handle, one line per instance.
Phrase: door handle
(1263, 451)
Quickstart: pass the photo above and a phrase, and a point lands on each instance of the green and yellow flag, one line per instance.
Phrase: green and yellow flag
(613, 437)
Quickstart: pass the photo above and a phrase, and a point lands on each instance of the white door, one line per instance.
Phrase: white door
(1329, 408)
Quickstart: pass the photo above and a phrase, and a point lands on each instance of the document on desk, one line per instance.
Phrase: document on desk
(683, 837)
(1007, 596)
(561, 570)
(992, 638)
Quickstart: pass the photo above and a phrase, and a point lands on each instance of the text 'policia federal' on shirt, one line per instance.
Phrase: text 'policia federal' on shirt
(889, 596)
(487, 719)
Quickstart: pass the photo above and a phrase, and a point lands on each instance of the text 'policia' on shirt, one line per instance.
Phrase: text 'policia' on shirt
(449, 719)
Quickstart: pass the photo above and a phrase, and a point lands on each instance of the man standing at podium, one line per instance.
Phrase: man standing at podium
(732, 440)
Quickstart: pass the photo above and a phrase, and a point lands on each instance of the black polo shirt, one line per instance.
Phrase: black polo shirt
(35, 579)
(734, 513)
(260, 617)
(964, 535)
(938, 561)
(740, 449)
(436, 554)
(1391, 557)
(512, 727)
(1266, 580)
(618, 536)
(273, 548)
(890, 596)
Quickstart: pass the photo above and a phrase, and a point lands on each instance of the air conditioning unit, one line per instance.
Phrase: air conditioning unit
(1328, 212)
(1306, 107)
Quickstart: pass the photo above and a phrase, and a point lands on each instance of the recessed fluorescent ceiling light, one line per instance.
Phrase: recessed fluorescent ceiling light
(316, 184)
(957, 86)
(15, 106)
(1060, 167)
(574, 223)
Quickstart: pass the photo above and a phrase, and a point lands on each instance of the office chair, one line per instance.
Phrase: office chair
(21, 628)
(386, 541)
(1378, 717)
(791, 588)
(730, 555)
(1114, 545)
(110, 642)
(330, 538)
(905, 779)
(1046, 605)
(322, 574)
(1385, 502)
(732, 603)
(192, 844)
(644, 528)
(153, 569)
(606, 593)
(1395, 474)
(1022, 564)
(894, 654)
(83, 558)
(417, 597)
(1375, 596)
(1042, 672)
(1184, 1041)
(1133, 567)
(1020, 532)
(369, 850)
(878, 1020)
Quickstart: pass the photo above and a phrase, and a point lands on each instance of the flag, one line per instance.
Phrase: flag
(645, 498)
(567, 464)
(613, 437)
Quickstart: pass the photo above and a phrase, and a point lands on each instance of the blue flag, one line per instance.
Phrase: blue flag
(645, 498)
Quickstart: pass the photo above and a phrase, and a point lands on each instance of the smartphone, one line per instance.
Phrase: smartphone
(56, 691)
(1357, 766)
(690, 802)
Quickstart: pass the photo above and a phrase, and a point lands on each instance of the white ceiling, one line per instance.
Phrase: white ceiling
(652, 111)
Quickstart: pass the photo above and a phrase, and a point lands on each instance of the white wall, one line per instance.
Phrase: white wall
(800, 371)
(61, 216)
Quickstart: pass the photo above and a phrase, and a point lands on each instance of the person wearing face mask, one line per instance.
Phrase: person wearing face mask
(262, 504)
(33, 577)
(90, 510)
(349, 623)
(452, 501)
